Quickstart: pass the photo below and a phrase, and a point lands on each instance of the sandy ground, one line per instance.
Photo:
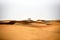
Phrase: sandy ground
(30, 32)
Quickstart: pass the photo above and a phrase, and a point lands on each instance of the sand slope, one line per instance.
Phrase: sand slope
(29, 32)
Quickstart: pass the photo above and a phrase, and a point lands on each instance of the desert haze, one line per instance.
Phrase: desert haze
(30, 30)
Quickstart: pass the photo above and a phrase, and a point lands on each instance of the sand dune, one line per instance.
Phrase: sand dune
(31, 31)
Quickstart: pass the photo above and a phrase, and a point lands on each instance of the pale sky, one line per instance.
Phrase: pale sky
(34, 9)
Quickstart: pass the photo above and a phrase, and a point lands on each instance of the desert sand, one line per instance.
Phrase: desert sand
(31, 31)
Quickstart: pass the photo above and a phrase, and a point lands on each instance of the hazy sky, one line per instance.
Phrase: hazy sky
(35, 9)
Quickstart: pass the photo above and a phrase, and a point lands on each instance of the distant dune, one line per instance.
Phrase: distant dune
(30, 21)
